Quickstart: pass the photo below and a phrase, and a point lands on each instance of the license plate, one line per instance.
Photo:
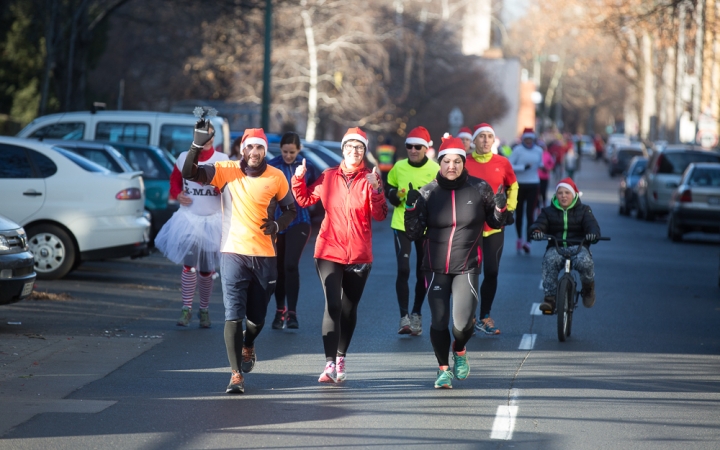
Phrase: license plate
(27, 289)
(714, 200)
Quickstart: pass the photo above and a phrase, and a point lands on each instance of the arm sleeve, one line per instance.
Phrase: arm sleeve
(514, 161)
(493, 216)
(416, 219)
(286, 205)
(590, 224)
(176, 183)
(541, 223)
(307, 195)
(378, 205)
(199, 174)
(391, 188)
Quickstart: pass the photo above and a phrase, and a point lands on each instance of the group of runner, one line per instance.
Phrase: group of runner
(452, 211)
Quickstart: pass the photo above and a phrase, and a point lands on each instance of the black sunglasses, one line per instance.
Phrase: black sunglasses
(416, 147)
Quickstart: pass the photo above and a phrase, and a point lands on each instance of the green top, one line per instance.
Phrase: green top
(400, 176)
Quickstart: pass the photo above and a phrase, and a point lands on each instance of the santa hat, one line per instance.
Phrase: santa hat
(465, 133)
(528, 133)
(451, 146)
(355, 134)
(419, 136)
(569, 184)
(482, 127)
(254, 136)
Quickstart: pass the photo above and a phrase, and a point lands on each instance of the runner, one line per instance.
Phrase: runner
(192, 235)
(466, 134)
(352, 195)
(418, 170)
(453, 209)
(291, 241)
(526, 159)
(251, 191)
(496, 171)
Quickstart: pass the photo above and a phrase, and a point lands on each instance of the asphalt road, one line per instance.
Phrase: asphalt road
(641, 369)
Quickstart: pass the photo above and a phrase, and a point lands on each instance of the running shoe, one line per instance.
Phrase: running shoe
(526, 247)
(487, 326)
(461, 368)
(329, 375)
(237, 384)
(279, 320)
(340, 369)
(292, 321)
(519, 246)
(444, 379)
(248, 359)
(185, 317)
(204, 316)
(404, 325)
(416, 324)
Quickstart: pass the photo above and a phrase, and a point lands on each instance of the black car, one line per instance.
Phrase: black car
(620, 159)
(628, 193)
(17, 265)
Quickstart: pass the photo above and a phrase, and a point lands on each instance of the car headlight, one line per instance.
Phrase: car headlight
(4, 244)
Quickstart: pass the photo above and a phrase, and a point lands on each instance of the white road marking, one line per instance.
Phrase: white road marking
(535, 310)
(541, 286)
(527, 342)
(504, 423)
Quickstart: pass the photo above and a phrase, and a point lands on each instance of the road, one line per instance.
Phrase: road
(641, 369)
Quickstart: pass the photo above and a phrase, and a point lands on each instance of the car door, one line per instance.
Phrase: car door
(21, 184)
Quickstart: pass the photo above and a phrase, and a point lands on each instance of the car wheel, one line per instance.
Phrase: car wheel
(640, 214)
(623, 210)
(674, 233)
(53, 250)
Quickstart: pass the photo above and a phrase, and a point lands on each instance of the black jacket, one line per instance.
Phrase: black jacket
(451, 221)
(574, 223)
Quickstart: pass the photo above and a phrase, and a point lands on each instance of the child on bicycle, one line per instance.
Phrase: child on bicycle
(567, 218)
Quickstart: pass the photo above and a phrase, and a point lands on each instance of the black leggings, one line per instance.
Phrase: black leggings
(542, 195)
(290, 246)
(403, 248)
(492, 252)
(527, 195)
(343, 285)
(463, 289)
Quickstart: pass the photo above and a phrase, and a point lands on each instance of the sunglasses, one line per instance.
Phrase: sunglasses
(416, 146)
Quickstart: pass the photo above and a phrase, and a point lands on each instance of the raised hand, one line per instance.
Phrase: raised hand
(412, 195)
(269, 226)
(374, 178)
(500, 197)
(201, 134)
(301, 170)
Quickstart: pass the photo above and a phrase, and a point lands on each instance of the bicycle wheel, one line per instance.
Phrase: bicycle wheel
(563, 299)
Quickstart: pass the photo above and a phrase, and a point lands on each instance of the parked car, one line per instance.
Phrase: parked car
(173, 132)
(330, 157)
(628, 195)
(72, 209)
(621, 157)
(613, 141)
(584, 145)
(17, 274)
(663, 174)
(695, 204)
(100, 153)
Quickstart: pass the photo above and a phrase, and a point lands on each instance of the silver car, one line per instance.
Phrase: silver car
(663, 174)
(695, 204)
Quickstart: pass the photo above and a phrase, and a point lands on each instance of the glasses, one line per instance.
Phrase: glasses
(354, 148)
(416, 146)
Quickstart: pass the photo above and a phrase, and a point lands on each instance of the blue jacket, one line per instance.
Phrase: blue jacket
(303, 215)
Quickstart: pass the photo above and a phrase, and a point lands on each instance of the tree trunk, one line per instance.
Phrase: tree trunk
(312, 90)
(50, 42)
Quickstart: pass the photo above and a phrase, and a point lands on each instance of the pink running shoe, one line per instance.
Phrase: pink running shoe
(329, 375)
(340, 369)
(519, 246)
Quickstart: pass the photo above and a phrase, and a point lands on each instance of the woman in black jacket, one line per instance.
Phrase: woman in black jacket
(449, 213)
(567, 218)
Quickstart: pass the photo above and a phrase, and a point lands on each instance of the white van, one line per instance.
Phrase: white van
(173, 132)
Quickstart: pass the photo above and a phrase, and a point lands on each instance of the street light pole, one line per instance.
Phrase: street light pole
(265, 118)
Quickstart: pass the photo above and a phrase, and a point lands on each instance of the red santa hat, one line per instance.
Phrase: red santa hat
(254, 136)
(528, 133)
(355, 134)
(451, 146)
(569, 184)
(419, 136)
(482, 127)
(465, 133)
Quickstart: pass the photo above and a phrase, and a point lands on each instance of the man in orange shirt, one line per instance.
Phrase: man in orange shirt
(251, 192)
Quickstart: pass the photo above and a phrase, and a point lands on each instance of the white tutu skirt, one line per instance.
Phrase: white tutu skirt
(192, 240)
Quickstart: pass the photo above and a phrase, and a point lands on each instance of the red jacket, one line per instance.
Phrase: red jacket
(345, 235)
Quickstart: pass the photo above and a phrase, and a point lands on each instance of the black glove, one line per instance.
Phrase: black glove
(269, 226)
(509, 217)
(412, 196)
(500, 198)
(202, 133)
(393, 197)
(537, 235)
(528, 166)
(591, 237)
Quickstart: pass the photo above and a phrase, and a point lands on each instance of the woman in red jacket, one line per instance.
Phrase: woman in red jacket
(352, 195)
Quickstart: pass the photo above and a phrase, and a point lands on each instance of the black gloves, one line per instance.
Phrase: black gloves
(528, 166)
(269, 226)
(412, 196)
(591, 237)
(500, 198)
(202, 133)
(393, 197)
(538, 235)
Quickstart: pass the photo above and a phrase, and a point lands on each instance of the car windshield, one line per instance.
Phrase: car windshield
(705, 177)
(627, 154)
(639, 167)
(677, 162)
(80, 161)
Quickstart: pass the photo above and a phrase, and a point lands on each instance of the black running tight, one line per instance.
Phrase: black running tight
(492, 252)
(527, 196)
(290, 246)
(403, 247)
(343, 285)
(463, 289)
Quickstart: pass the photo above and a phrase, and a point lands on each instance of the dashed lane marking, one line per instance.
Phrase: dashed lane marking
(527, 342)
(504, 423)
(535, 310)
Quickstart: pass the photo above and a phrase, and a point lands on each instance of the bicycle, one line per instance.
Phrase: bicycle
(568, 294)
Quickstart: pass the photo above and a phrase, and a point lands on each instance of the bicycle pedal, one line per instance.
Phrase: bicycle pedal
(548, 313)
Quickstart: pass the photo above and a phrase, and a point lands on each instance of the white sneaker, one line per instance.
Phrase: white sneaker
(404, 325)
(416, 324)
